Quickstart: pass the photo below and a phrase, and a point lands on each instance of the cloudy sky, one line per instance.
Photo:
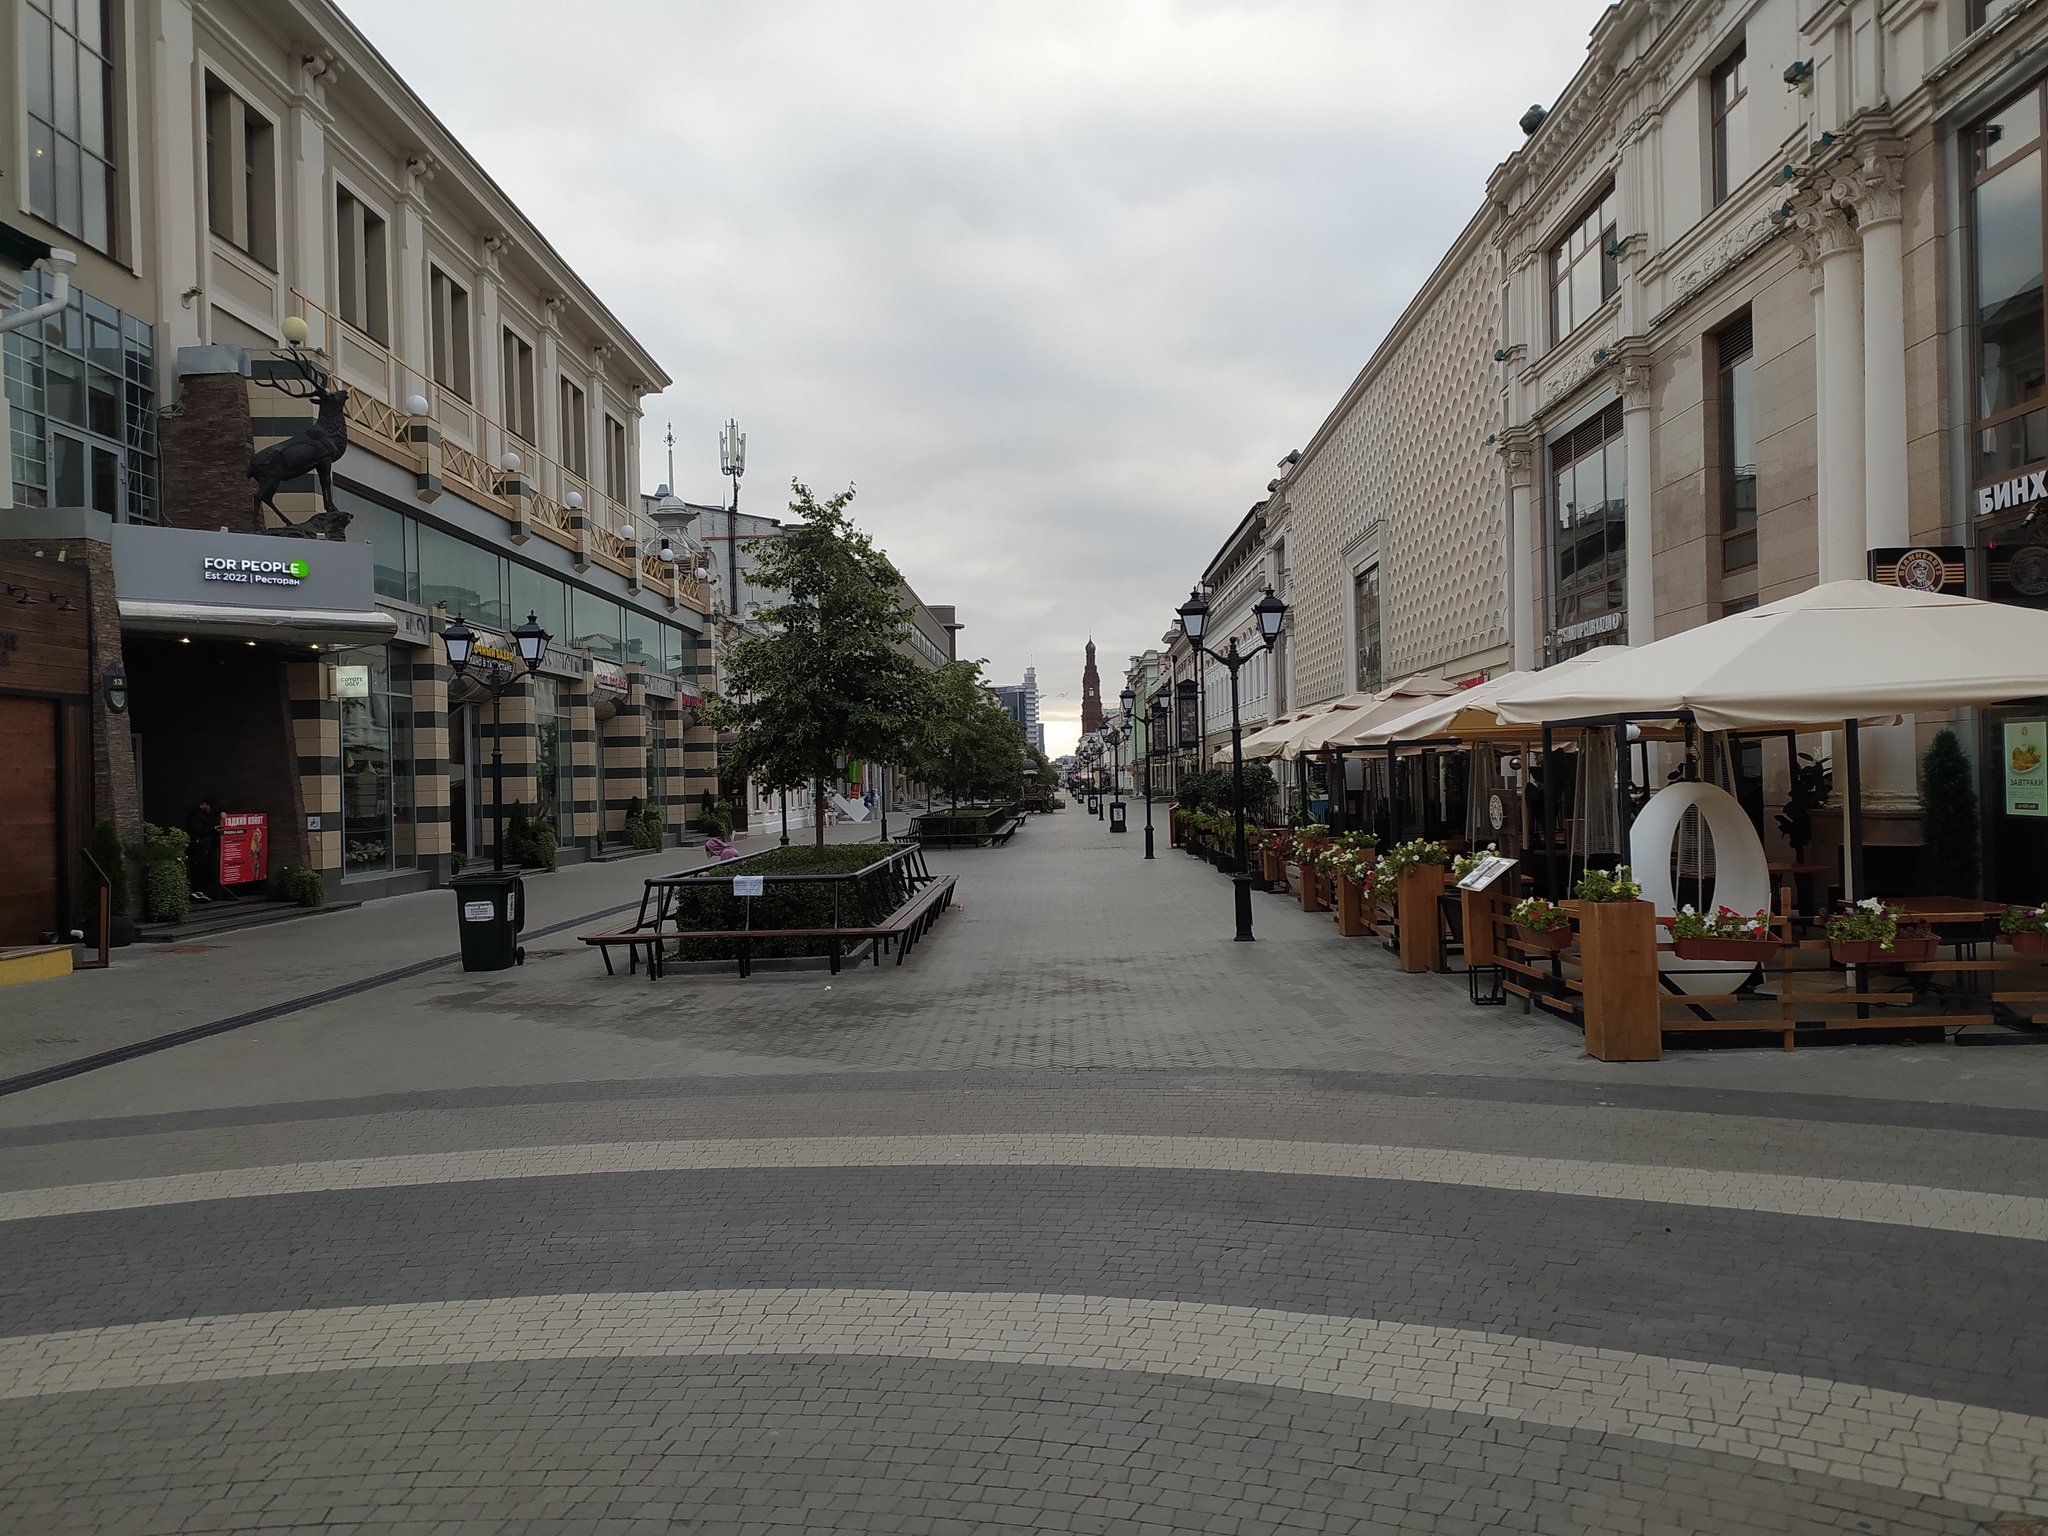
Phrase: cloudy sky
(1053, 282)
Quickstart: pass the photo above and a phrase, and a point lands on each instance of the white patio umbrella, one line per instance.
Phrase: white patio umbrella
(1848, 650)
(1347, 729)
(1466, 712)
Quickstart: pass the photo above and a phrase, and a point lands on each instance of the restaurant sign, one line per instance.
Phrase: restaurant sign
(1923, 568)
(2026, 767)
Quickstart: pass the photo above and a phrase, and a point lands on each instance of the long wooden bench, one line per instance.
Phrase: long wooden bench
(901, 928)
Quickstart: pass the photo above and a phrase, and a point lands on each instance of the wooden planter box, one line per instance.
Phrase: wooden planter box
(1557, 938)
(1870, 952)
(1273, 865)
(1311, 889)
(1755, 951)
(2027, 943)
(1422, 940)
(1618, 966)
(1353, 921)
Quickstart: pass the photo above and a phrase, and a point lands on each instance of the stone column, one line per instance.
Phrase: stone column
(310, 202)
(433, 837)
(580, 766)
(624, 745)
(1635, 447)
(1526, 585)
(1840, 404)
(316, 733)
(1879, 185)
(173, 157)
(409, 340)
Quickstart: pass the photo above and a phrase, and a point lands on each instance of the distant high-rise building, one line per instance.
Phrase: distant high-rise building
(1021, 700)
(1091, 695)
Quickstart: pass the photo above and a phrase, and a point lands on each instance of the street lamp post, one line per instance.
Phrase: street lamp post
(1194, 622)
(532, 642)
(1161, 708)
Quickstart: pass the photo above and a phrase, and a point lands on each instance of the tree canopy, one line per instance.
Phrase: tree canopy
(965, 744)
(827, 680)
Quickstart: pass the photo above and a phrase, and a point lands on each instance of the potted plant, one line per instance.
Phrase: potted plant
(1618, 956)
(1541, 924)
(1870, 932)
(1599, 885)
(1414, 871)
(2025, 929)
(1725, 935)
(1465, 863)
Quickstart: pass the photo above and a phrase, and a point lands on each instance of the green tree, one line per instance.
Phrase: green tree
(827, 681)
(965, 743)
(1948, 817)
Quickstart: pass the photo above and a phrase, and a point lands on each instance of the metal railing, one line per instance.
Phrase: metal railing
(473, 446)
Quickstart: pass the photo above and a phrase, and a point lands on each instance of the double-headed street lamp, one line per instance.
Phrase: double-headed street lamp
(1194, 623)
(532, 643)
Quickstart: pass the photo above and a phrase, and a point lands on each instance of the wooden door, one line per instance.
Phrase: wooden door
(29, 837)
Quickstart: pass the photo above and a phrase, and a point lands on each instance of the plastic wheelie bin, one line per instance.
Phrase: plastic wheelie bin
(491, 909)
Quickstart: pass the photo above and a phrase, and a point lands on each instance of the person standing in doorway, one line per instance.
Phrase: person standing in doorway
(202, 850)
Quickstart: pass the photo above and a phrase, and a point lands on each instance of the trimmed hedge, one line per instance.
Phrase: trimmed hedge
(861, 898)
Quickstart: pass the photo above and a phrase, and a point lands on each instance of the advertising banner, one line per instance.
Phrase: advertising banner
(244, 848)
(2026, 767)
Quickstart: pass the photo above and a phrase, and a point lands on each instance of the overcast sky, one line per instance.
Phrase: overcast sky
(1053, 282)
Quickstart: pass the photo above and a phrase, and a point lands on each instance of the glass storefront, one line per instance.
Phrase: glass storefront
(374, 690)
(552, 775)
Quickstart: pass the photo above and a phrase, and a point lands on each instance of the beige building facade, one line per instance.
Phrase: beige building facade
(224, 173)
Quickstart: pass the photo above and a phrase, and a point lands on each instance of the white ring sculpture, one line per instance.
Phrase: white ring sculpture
(1742, 876)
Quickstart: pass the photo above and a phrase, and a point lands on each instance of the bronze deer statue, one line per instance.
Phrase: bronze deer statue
(314, 449)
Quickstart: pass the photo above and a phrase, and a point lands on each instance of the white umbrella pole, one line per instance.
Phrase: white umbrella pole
(1852, 811)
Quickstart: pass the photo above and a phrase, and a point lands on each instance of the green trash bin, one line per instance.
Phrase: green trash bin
(490, 909)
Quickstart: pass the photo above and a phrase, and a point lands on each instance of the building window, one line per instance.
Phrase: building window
(615, 459)
(1365, 609)
(241, 174)
(449, 322)
(1589, 529)
(1984, 12)
(82, 387)
(375, 694)
(1585, 271)
(1734, 352)
(519, 386)
(575, 432)
(1727, 88)
(67, 76)
(361, 288)
(2005, 229)
(551, 768)
(656, 738)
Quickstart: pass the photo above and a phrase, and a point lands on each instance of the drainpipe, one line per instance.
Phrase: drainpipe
(58, 264)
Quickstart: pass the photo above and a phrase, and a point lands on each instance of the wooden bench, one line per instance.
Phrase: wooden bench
(646, 930)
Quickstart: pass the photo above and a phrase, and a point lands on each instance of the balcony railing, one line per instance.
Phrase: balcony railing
(473, 447)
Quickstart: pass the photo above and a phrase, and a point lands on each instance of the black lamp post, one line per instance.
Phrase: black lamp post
(1194, 623)
(1162, 708)
(532, 643)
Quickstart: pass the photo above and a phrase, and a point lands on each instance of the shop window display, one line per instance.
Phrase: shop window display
(376, 761)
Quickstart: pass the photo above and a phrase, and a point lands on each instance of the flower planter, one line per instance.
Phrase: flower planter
(1274, 866)
(1618, 969)
(1351, 908)
(1556, 938)
(1871, 952)
(1755, 951)
(1422, 943)
(2027, 942)
(1311, 888)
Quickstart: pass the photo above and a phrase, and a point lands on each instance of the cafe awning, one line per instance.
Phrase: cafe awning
(1469, 712)
(236, 621)
(1845, 650)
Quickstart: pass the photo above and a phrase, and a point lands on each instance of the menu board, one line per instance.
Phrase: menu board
(244, 848)
(2026, 767)
(1486, 872)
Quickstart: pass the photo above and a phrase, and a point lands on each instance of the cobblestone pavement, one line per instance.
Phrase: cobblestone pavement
(1086, 1219)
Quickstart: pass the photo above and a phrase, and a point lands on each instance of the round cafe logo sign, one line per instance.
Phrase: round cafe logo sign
(2028, 573)
(1495, 811)
(1921, 570)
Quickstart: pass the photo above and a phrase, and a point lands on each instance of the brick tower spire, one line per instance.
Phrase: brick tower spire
(1091, 695)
